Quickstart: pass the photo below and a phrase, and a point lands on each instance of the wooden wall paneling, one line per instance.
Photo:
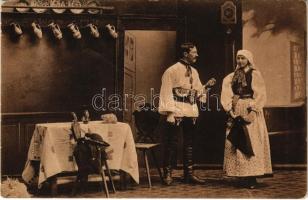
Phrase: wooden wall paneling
(16, 133)
(10, 148)
(289, 147)
(288, 134)
(26, 138)
(285, 118)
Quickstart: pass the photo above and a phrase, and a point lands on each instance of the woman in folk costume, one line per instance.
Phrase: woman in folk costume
(247, 149)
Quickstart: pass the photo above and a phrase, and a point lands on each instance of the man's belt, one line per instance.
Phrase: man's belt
(184, 95)
(246, 96)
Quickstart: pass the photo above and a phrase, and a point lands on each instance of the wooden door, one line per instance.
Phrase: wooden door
(129, 78)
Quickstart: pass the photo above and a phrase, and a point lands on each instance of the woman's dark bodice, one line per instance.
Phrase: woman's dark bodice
(244, 91)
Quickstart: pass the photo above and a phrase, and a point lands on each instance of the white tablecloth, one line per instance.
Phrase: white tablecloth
(50, 144)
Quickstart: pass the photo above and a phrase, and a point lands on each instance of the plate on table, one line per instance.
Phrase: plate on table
(75, 3)
(44, 3)
(58, 3)
(22, 10)
(93, 4)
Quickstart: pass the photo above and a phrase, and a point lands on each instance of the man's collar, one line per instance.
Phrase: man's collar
(184, 62)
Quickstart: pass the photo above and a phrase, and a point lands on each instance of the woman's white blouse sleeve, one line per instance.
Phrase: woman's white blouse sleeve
(227, 93)
(258, 87)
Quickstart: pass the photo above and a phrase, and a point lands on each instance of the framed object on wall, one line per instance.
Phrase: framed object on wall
(130, 52)
(228, 13)
(298, 72)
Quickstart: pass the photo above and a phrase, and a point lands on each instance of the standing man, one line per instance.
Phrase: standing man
(180, 88)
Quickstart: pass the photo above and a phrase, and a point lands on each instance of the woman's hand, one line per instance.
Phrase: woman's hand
(235, 100)
(250, 117)
(232, 114)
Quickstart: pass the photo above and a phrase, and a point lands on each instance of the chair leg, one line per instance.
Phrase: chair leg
(110, 177)
(157, 165)
(147, 167)
(104, 182)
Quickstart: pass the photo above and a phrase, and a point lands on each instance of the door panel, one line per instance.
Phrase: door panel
(129, 78)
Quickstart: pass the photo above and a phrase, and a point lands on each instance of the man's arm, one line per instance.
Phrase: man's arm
(166, 101)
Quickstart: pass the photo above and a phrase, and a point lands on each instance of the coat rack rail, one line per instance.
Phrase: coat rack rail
(61, 7)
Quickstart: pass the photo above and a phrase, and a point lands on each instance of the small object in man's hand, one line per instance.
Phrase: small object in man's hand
(86, 117)
(170, 118)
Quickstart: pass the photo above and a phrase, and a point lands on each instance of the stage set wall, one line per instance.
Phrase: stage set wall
(44, 80)
(278, 43)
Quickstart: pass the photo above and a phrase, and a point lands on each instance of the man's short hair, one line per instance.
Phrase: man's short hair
(185, 47)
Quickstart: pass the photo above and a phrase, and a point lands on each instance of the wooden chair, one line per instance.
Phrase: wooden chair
(146, 121)
(92, 164)
(91, 157)
(84, 170)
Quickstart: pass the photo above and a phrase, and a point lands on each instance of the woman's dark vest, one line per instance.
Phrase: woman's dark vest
(244, 91)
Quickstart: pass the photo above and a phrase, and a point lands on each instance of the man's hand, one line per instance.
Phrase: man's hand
(203, 98)
(170, 118)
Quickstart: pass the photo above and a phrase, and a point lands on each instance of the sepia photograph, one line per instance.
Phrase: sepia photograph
(154, 99)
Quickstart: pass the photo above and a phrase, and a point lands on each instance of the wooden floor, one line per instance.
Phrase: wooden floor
(284, 184)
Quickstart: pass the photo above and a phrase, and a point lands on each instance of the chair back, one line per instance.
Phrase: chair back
(146, 122)
(90, 153)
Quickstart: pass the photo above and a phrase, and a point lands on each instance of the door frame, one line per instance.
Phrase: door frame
(137, 22)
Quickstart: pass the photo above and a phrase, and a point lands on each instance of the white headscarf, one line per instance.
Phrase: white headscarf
(239, 75)
(247, 55)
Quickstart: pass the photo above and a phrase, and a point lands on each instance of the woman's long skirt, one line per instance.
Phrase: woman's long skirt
(238, 164)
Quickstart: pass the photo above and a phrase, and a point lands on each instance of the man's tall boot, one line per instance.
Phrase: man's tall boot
(169, 163)
(170, 152)
(189, 176)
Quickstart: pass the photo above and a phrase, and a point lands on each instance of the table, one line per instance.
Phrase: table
(51, 145)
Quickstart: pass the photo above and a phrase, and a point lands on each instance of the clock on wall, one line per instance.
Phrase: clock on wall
(228, 13)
